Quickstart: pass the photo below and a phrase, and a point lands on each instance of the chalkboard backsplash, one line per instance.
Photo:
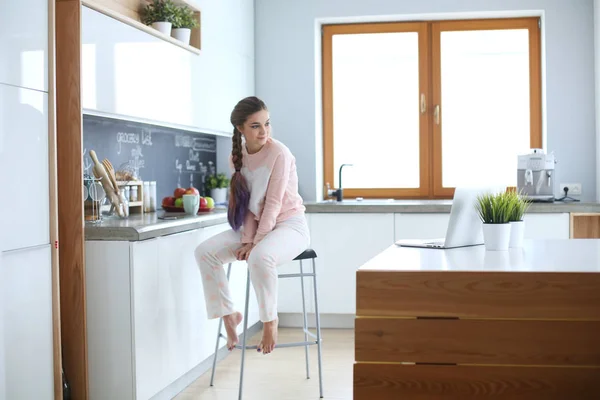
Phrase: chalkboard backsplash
(171, 157)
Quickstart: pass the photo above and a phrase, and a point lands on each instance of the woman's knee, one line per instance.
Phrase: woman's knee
(260, 258)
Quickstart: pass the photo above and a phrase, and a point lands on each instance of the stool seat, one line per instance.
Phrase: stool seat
(306, 254)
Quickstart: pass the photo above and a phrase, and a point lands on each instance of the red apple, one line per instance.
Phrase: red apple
(168, 201)
(192, 190)
(179, 192)
(203, 202)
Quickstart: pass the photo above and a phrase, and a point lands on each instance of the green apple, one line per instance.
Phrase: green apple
(179, 202)
(210, 203)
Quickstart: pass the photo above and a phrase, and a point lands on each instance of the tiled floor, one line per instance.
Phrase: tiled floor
(281, 375)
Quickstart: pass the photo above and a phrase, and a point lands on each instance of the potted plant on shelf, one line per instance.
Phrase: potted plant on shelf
(517, 206)
(494, 210)
(218, 184)
(160, 14)
(183, 24)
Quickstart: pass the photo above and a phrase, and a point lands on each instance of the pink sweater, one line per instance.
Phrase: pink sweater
(273, 183)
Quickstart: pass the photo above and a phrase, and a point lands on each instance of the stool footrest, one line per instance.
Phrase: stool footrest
(294, 275)
(293, 344)
(310, 333)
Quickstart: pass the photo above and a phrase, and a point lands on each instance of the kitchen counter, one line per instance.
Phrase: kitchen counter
(430, 206)
(146, 226)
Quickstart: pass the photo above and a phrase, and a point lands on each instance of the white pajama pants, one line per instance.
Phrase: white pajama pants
(285, 242)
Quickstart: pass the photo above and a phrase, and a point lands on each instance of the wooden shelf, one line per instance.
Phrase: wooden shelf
(128, 12)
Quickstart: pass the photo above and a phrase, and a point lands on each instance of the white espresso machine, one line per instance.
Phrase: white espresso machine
(535, 176)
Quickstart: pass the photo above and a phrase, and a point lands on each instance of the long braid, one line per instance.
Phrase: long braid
(239, 195)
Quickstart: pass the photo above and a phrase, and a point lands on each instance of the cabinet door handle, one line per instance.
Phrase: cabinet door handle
(436, 114)
(423, 104)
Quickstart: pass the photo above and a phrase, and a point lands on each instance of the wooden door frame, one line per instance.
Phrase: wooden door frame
(69, 164)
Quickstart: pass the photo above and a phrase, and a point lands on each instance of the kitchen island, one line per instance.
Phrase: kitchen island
(469, 323)
(148, 335)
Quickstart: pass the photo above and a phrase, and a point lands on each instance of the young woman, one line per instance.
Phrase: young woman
(267, 218)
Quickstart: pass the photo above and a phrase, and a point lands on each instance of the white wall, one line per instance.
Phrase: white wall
(129, 72)
(287, 73)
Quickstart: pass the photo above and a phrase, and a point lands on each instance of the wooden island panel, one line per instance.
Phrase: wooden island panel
(440, 324)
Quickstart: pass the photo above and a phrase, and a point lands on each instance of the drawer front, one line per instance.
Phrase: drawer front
(479, 294)
(445, 382)
(508, 342)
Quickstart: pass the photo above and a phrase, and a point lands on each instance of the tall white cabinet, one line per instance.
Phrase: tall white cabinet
(26, 341)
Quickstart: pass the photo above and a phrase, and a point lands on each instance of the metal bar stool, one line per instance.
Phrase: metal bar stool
(307, 254)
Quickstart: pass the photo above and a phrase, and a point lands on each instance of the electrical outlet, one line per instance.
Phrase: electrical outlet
(574, 188)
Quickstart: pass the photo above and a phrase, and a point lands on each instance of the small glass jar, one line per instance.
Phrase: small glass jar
(153, 196)
(127, 192)
(146, 196)
(133, 194)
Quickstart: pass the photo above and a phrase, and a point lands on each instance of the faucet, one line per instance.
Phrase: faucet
(339, 192)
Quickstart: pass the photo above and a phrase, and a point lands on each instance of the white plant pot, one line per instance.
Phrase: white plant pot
(517, 233)
(219, 195)
(496, 236)
(182, 34)
(163, 27)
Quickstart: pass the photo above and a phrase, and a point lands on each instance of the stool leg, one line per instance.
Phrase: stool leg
(212, 375)
(244, 334)
(318, 322)
(304, 322)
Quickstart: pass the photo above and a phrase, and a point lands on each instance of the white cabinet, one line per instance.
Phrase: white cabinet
(24, 43)
(420, 226)
(24, 166)
(546, 226)
(434, 225)
(344, 242)
(129, 72)
(26, 312)
(147, 321)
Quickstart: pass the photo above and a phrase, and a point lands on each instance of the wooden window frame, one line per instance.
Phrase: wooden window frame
(430, 135)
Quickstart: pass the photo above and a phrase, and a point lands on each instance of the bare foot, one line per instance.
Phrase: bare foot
(269, 337)
(231, 322)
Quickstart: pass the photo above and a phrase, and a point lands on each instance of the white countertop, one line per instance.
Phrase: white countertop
(558, 255)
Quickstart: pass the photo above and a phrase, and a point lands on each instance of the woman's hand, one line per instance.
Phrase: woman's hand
(243, 252)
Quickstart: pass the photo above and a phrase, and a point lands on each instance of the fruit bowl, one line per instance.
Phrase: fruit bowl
(175, 203)
(180, 209)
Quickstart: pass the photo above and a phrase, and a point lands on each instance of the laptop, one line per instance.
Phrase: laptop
(464, 227)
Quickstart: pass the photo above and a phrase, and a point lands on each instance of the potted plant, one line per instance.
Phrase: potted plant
(160, 14)
(183, 24)
(517, 206)
(494, 211)
(218, 184)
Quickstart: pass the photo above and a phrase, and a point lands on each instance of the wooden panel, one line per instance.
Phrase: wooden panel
(419, 382)
(70, 192)
(53, 202)
(479, 294)
(585, 226)
(129, 8)
(478, 341)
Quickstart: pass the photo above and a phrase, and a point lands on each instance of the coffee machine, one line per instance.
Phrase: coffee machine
(535, 176)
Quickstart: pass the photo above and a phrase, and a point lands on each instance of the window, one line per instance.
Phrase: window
(419, 108)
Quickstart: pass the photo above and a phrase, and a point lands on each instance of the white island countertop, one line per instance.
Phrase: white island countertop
(553, 255)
